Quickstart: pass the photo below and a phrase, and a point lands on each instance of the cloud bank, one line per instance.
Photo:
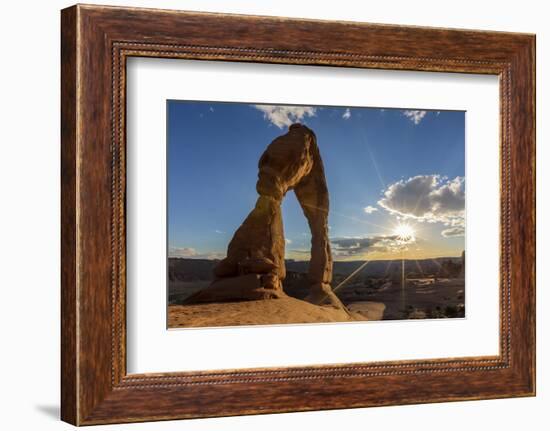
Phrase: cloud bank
(353, 246)
(428, 198)
(284, 116)
(191, 253)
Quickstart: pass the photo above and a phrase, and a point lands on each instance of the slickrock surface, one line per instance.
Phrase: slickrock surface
(261, 312)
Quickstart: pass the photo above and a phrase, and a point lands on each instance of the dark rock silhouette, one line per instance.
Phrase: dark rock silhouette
(255, 264)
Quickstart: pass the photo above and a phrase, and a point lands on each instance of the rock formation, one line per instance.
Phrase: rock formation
(255, 264)
(285, 310)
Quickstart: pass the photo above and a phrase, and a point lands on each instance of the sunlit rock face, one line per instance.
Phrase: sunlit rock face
(291, 162)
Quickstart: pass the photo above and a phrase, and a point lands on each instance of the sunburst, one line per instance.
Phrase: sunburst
(404, 233)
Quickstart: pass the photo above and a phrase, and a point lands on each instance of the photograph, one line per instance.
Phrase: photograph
(294, 214)
(333, 211)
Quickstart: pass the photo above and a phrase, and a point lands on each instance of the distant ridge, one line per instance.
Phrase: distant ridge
(186, 269)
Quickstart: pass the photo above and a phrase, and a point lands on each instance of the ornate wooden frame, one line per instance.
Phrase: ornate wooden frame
(95, 43)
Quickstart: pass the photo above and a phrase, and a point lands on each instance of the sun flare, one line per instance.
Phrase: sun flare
(404, 232)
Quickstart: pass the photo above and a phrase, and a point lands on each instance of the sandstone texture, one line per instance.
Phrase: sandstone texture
(249, 287)
(285, 310)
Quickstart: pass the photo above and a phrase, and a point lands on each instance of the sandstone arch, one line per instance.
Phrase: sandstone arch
(255, 264)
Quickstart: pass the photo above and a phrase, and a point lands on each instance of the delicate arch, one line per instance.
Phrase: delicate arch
(255, 264)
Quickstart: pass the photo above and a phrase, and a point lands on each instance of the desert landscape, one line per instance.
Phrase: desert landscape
(434, 288)
(285, 214)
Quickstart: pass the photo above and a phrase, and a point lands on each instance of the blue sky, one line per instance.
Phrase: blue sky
(384, 168)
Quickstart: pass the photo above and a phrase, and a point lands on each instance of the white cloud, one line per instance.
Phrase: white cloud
(219, 231)
(415, 116)
(347, 114)
(182, 252)
(282, 116)
(288, 241)
(353, 246)
(428, 198)
(453, 231)
(370, 209)
(191, 253)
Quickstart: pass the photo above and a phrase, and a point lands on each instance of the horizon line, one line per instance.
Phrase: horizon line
(334, 261)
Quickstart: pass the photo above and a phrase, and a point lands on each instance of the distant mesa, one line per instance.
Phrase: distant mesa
(255, 264)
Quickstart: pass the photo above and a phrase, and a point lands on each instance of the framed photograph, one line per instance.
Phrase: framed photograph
(265, 215)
